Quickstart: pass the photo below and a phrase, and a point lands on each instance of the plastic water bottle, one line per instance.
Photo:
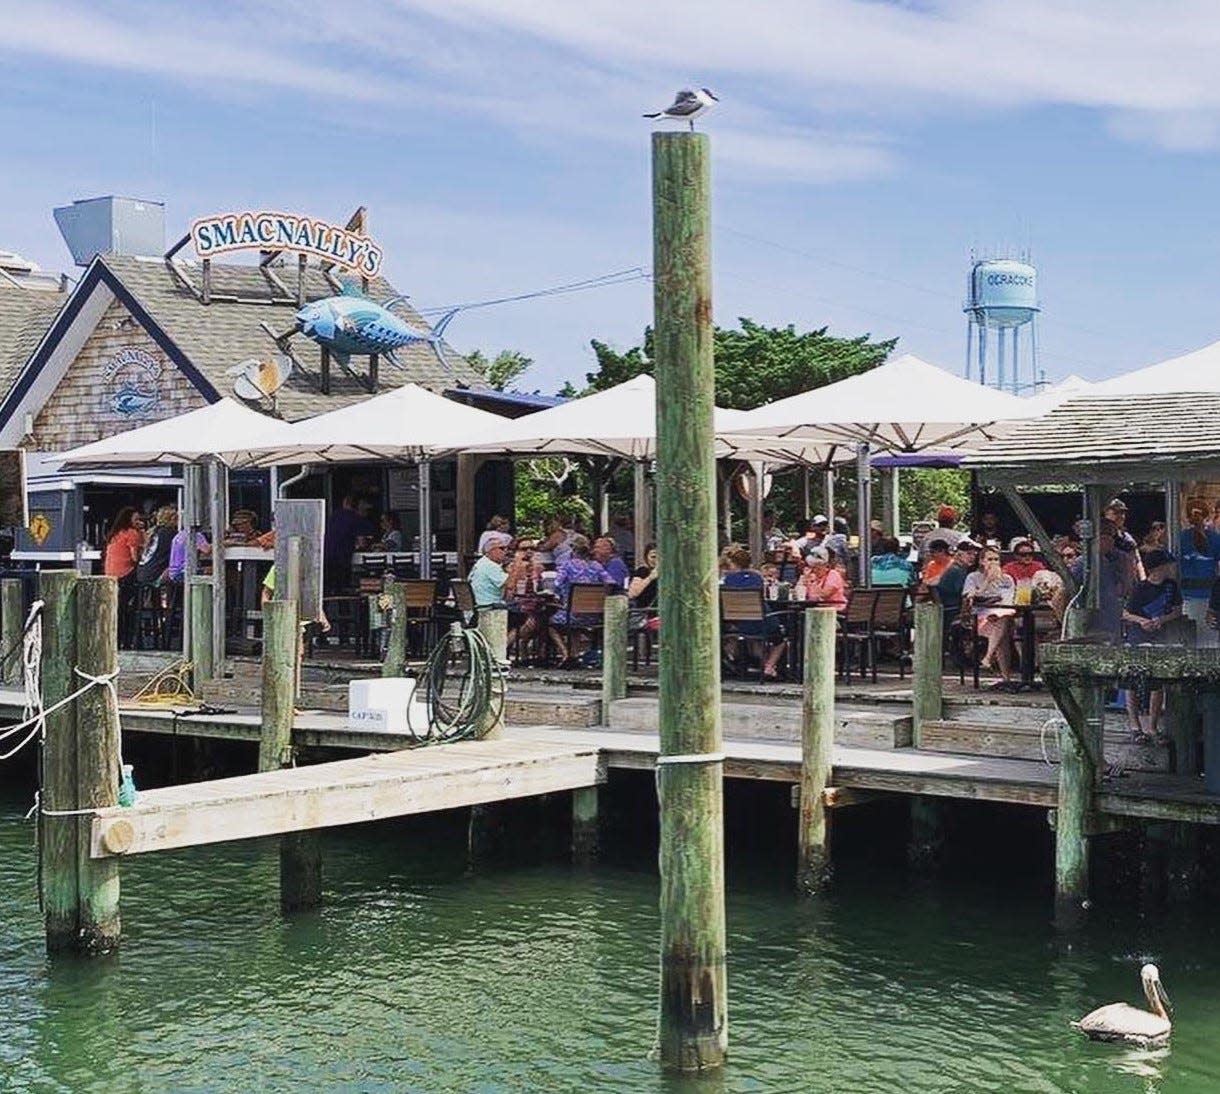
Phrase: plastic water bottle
(127, 787)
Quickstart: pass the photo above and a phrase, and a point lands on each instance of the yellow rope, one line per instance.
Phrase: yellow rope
(170, 687)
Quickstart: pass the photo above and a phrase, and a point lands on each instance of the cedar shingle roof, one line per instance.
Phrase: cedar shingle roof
(1110, 431)
(216, 336)
(25, 315)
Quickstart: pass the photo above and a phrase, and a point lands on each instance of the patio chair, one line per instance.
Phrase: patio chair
(586, 608)
(739, 606)
(419, 596)
(856, 630)
(890, 623)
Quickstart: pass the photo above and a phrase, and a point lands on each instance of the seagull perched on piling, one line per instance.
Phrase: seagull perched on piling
(687, 106)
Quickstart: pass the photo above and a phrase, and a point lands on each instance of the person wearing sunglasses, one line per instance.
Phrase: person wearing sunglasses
(1024, 563)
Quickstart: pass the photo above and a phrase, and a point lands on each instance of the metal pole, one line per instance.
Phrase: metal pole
(219, 513)
(969, 345)
(425, 518)
(1016, 361)
(1001, 362)
(642, 515)
(981, 322)
(828, 495)
(864, 510)
(805, 513)
(693, 1028)
(758, 475)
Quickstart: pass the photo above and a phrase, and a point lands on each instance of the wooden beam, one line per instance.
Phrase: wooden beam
(840, 797)
(391, 784)
(1034, 526)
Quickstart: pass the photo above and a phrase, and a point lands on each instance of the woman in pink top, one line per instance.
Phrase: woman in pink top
(823, 584)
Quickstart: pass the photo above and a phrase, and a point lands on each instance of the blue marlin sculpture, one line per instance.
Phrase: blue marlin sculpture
(352, 323)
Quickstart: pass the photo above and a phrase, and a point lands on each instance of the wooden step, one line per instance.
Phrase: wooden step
(1025, 741)
(855, 727)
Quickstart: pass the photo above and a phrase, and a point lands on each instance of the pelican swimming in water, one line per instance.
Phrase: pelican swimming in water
(1123, 1022)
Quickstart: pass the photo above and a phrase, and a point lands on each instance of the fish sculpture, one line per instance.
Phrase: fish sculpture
(352, 323)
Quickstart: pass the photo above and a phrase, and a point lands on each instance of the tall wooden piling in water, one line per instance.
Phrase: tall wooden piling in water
(817, 749)
(12, 624)
(80, 761)
(98, 760)
(57, 835)
(693, 1027)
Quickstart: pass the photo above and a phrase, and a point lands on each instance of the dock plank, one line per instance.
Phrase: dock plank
(368, 788)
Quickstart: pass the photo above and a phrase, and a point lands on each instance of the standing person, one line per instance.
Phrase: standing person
(604, 552)
(124, 543)
(1199, 552)
(342, 531)
(488, 576)
(622, 531)
(176, 567)
(773, 536)
(945, 532)
(391, 532)
(154, 559)
(1153, 603)
(988, 594)
(1118, 579)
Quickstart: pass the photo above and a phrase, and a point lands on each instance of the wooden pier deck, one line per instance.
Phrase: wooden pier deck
(374, 787)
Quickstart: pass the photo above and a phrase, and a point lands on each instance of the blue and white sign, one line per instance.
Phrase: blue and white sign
(131, 384)
(266, 230)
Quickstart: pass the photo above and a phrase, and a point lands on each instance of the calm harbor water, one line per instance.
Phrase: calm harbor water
(417, 976)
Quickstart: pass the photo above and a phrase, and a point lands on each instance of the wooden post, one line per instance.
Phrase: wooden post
(12, 626)
(926, 845)
(219, 488)
(300, 855)
(693, 1028)
(641, 509)
(817, 749)
(395, 663)
(614, 653)
(467, 536)
(98, 760)
(280, 637)
(585, 825)
(493, 625)
(57, 836)
(754, 511)
(201, 630)
(927, 680)
(1077, 777)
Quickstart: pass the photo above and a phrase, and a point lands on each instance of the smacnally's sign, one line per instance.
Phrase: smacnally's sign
(221, 233)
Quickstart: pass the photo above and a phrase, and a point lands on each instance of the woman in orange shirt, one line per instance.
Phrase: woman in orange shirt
(123, 543)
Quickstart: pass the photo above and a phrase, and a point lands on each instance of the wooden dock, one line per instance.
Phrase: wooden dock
(369, 788)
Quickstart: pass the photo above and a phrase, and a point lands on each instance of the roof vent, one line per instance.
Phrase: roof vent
(112, 225)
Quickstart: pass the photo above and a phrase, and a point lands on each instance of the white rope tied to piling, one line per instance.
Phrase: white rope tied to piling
(691, 758)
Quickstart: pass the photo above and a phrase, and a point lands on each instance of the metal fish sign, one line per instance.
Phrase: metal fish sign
(352, 323)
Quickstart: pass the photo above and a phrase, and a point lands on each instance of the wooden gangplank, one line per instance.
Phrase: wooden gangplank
(388, 784)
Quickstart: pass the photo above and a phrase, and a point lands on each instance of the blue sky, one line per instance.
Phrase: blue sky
(862, 149)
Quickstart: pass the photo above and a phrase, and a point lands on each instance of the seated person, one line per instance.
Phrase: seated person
(642, 591)
(1023, 565)
(987, 593)
(822, 583)
(243, 527)
(890, 566)
(740, 576)
(488, 576)
(937, 562)
(952, 579)
(579, 568)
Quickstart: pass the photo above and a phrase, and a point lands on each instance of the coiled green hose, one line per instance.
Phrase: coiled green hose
(465, 704)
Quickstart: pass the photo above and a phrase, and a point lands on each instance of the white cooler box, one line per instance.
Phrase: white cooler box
(380, 706)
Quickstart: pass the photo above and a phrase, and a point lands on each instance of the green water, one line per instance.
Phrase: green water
(418, 977)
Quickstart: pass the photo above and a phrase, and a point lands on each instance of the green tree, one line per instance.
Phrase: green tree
(756, 364)
(502, 371)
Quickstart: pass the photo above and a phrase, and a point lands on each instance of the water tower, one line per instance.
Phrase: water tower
(1002, 298)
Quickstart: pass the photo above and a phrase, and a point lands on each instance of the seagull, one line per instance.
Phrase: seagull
(687, 106)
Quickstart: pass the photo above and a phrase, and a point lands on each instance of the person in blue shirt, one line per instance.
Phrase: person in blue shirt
(1198, 552)
(1153, 603)
(889, 566)
(605, 552)
(487, 576)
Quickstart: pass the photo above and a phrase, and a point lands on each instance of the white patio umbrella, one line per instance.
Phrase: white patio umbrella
(904, 405)
(408, 423)
(223, 431)
(1197, 371)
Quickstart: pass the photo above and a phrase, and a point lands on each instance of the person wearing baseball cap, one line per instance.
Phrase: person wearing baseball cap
(945, 532)
(953, 578)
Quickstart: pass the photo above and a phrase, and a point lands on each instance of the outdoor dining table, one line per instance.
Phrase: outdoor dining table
(1027, 615)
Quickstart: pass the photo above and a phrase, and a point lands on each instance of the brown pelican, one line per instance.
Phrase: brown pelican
(1123, 1022)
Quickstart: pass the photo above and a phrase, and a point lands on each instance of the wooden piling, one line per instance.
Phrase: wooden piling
(1077, 779)
(57, 835)
(98, 760)
(817, 750)
(300, 853)
(280, 638)
(12, 625)
(693, 1027)
(614, 653)
(493, 625)
(395, 663)
(202, 660)
(586, 825)
(927, 668)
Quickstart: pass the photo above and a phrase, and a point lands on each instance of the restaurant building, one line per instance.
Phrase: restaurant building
(148, 336)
